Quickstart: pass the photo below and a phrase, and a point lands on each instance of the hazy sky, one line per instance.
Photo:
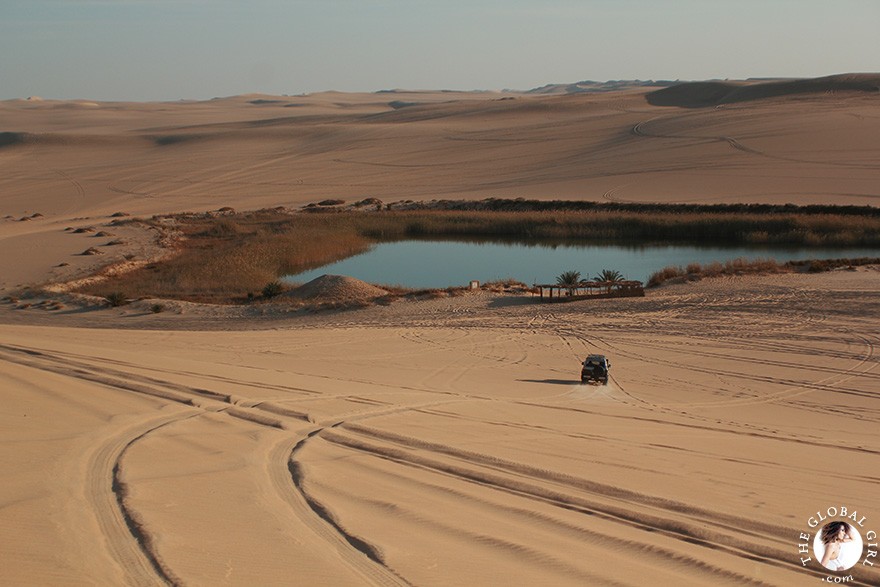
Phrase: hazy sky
(171, 49)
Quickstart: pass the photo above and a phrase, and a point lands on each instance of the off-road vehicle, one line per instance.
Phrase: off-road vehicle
(595, 368)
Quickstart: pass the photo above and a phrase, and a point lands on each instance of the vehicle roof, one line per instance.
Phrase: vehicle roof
(595, 357)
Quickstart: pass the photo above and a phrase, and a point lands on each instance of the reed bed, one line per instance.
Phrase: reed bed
(695, 271)
(223, 258)
(630, 227)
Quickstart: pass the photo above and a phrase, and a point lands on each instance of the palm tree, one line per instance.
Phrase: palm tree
(609, 277)
(569, 279)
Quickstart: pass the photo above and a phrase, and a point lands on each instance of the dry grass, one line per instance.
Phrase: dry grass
(221, 260)
(695, 271)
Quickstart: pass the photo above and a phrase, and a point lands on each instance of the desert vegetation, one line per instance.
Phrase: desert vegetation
(116, 298)
(273, 289)
(715, 227)
(744, 266)
(221, 257)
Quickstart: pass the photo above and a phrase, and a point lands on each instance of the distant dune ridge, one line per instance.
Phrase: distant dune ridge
(589, 86)
(713, 93)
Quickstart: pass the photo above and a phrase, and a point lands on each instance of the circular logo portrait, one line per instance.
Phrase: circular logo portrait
(838, 546)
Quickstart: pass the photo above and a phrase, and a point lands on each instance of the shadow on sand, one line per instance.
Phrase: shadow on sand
(552, 381)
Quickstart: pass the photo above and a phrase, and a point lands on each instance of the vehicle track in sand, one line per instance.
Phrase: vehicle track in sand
(129, 542)
(128, 535)
(352, 432)
(640, 130)
(728, 534)
(490, 472)
(287, 480)
(861, 366)
(125, 528)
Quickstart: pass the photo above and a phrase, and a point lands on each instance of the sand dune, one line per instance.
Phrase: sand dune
(435, 442)
(703, 94)
(445, 442)
(254, 151)
(337, 288)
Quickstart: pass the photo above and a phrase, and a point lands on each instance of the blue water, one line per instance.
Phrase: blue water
(438, 264)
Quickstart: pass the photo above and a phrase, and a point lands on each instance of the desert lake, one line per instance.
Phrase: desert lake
(438, 264)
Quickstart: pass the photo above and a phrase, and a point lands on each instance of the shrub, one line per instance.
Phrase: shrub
(713, 269)
(116, 298)
(223, 228)
(157, 308)
(664, 274)
(275, 288)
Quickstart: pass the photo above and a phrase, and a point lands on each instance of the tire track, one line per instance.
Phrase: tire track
(205, 399)
(639, 130)
(128, 539)
(563, 525)
(288, 479)
(713, 530)
(738, 427)
(88, 359)
(795, 387)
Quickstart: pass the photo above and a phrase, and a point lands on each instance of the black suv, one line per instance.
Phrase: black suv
(596, 368)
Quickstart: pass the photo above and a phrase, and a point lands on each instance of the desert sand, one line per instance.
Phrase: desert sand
(435, 442)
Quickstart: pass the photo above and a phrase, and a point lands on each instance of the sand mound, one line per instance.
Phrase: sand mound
(713, 93)
(337, 288)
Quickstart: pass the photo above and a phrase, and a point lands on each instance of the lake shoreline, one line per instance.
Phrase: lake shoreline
(226, 256)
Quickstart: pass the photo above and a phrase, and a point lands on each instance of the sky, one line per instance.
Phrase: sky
(147, 50)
